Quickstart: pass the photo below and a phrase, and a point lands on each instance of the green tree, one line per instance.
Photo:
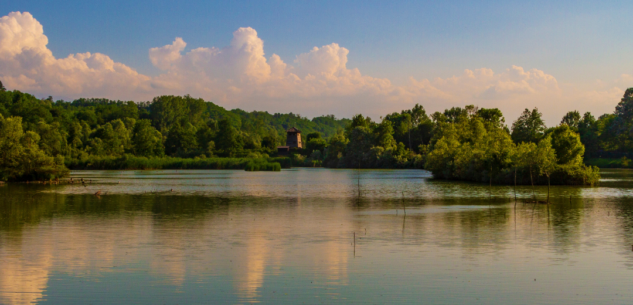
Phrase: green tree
(335, 149)
(315, 143)
(567, 145)
(181, 140)
(53, 139)
(206, 137)
(313, 135)
(271, 141)
(492, 116)
(571, 119)
(2, 88)
(624, 109)
(228, 139)
(20, 156)
(546, 159)
(168, 110)
(519, 158)
(529, 127)
(529, 158)
(587, 128)
(361, 141)
(146, 140)
(105, 141)
(498, 150)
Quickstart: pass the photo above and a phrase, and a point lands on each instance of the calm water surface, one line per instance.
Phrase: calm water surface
(215, 237)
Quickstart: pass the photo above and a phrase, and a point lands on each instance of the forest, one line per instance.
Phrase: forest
(40, 139)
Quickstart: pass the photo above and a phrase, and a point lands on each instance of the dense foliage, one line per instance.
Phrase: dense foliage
(476, 149)
(40, 138)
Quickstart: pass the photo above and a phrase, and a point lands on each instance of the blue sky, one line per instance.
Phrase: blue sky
(577, 42)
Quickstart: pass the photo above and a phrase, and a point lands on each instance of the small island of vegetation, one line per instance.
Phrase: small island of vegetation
(40, 139)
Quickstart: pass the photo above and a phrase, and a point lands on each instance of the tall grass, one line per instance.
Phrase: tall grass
(133, 162)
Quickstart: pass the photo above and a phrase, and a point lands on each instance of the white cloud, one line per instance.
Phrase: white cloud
(28, 65)
(317, 82)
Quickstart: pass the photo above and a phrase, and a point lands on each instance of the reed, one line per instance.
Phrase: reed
(142, 163)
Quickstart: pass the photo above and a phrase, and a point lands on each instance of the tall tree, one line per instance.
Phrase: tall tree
(567, 145)
(529, 127)
(181, 140)
(20, 156)
(228, 139)
(146, 140)
(571, 119)
(492, 116)
(546, 160)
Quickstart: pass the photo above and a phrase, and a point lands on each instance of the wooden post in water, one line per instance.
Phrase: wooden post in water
(404, 207)
(490, 187)
(358, 177)
(354, 243)
(515, 187)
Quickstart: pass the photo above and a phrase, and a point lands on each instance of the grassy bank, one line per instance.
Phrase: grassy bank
(142, 163)
(610, 162)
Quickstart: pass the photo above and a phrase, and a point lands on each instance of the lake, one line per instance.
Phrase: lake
(313, 236)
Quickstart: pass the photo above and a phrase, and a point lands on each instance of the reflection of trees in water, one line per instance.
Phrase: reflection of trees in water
(177, 236)
(187, 236)
(621, 214)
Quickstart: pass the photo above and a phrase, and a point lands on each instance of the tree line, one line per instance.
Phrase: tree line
(467, 143)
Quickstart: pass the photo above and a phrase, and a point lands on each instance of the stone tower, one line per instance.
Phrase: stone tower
(293, 138)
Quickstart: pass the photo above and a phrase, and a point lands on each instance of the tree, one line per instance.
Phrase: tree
(456, 113)
(335, 149)
(359, 121)
(567, 145)
(529, 127)
(53, 139)
(313, 135)
(587, 128)
(205, 135)
(270, 141)
(146, 140)
(181, 140)
(361, 140)
(2, 88)
(498, 149)
(228, 139)
(315, 144)
(168, 110)
(20, 156)
(492, 116)
(571, 119)
(105, 141)
(527, 156)
(545, 158)
(621, 129)
(519, 158)
(624, 109)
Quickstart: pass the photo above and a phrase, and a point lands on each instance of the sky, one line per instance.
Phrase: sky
(325, 57)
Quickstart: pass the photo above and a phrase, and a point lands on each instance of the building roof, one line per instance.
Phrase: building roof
(293, 129)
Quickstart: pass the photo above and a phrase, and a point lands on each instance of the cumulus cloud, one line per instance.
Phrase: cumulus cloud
(240, 75)
(27, 64)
